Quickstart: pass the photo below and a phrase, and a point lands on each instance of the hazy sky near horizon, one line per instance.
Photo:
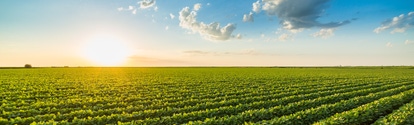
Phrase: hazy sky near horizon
(206, 32)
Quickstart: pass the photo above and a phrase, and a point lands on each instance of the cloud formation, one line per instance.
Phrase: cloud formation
(399, 23)
(197, 7)
(146, 4)
(248, 17)
(256, 7)
(211, 31)
(324, 33)
(299, 14)
(284, 37)
(238, 36)
(156, 8)
(132, 9)
(172, 16)
(120, 8)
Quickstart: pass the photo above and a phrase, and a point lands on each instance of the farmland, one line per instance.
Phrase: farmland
(197, 95)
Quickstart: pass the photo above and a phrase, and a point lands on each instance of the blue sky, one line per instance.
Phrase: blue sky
(206, 32)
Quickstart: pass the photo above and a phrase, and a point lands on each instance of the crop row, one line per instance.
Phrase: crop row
(96, 102)
(222, 112)
(403, 116)
(170, 111)
(78, 100)
(368, 113)
(291, 108)
(314, 114)
(230, 100)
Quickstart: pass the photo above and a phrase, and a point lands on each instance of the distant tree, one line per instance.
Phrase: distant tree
(27, 66)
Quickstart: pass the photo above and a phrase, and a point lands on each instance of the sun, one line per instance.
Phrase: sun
(106, 51)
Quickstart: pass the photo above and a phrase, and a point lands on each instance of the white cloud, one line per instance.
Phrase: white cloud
(130, 7)
(166, 27)
(238, 36)
(284, 37)
(211, 31)
(256, 6)
(156, 8)
(408, 42)
(389, 44)
(248, 18)
(120, 8)
(172, 16)
(146, 4)
(188, 18)
(324, 33)
(299, 14)
(197, 7)
(399, 23)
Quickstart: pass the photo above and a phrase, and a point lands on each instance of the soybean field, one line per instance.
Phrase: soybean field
(207, 95)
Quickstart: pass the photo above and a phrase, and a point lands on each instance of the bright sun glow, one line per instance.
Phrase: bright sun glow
(106, 51)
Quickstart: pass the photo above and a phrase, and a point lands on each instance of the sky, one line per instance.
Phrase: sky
(139, 33)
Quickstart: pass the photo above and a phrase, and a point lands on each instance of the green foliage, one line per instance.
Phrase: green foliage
(403, 116)
(347, 95)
